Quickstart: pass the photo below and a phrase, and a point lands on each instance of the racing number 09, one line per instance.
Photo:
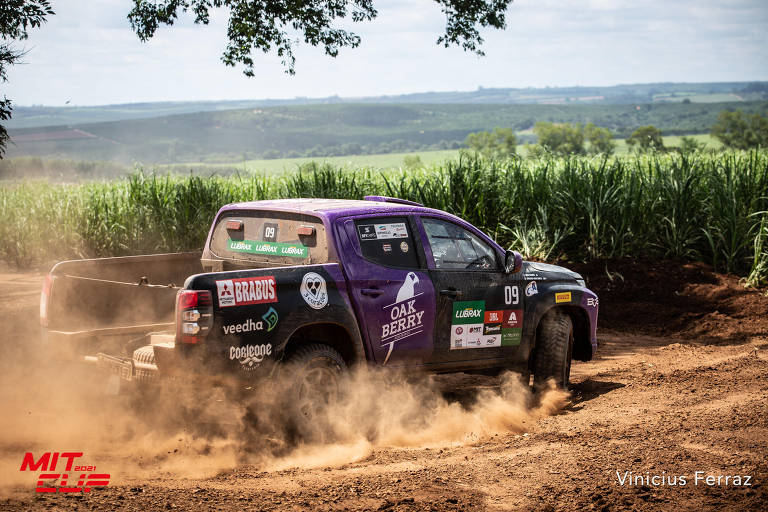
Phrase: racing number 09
(511, 295)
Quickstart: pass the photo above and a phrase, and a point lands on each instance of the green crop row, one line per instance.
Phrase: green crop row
(704, 206)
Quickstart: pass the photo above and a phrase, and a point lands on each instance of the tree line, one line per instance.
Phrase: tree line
(734, 129)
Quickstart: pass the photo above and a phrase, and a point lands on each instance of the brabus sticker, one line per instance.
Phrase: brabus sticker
(592, 302)
(531, 289)
(250, 356)
(246, 290)
(562, 297)
(281, 249)
(406, 314)
(271, 318)
(314, 290)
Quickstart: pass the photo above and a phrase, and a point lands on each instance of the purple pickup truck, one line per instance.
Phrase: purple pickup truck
(322, 284)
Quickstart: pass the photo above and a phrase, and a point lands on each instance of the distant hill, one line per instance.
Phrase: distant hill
(32, 116)
(340, 129)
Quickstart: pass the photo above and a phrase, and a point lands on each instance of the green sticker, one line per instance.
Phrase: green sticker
(468, 312)
(511, 337)
(268, 248)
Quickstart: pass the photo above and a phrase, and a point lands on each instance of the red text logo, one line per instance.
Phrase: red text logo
(81, 480)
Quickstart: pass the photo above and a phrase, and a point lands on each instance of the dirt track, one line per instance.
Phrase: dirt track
(682, 388)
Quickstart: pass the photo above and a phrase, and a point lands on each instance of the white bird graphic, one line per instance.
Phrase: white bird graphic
(407, 290)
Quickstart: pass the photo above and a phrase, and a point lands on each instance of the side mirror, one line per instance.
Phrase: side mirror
(513, 262)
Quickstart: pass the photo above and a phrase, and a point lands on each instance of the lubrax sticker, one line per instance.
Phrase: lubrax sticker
(268, 248)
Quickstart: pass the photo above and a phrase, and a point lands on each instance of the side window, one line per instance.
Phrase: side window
(387, 241)
(454, 247)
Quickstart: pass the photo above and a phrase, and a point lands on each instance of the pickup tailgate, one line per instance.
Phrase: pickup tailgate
(93, 305)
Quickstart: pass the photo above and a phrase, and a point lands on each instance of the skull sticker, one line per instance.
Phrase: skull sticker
(314, 291)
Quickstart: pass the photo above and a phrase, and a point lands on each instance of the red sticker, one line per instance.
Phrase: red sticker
(246, 290)
(493, 317)
(513, 318)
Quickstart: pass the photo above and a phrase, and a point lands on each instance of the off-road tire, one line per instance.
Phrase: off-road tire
(314, 371)
(554, 347)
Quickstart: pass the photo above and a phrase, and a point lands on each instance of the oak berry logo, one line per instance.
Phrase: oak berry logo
(60, 473)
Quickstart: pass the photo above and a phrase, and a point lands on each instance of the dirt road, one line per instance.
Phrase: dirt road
(679, 394)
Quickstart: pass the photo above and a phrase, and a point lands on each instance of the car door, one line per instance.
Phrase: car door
(479, 307)
(390, 288)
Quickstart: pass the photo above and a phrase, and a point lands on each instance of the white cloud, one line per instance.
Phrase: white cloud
(88, 54)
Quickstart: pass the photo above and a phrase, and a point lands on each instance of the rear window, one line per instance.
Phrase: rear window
(272, 238)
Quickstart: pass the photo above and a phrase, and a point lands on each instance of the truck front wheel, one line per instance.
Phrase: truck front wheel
(554, 345)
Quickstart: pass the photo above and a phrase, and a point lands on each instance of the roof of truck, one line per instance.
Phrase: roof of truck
(338, 206)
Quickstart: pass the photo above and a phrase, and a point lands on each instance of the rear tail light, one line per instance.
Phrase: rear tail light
(45, 298)
(194, 315)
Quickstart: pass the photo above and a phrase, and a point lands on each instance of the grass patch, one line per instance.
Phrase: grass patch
(702, 206)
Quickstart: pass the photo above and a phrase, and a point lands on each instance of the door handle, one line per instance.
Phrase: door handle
(451, 293)
(371, 292)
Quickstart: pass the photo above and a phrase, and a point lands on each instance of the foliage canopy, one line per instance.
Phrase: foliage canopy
(277, 25)
(16, 18)
(500, 143)
(738, 130)
(561, 138)
(645, 138)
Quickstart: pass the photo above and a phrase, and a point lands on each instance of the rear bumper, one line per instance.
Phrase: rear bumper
(127, 369)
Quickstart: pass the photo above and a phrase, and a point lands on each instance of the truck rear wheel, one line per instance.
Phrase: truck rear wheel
(315, 372)
(554, 345)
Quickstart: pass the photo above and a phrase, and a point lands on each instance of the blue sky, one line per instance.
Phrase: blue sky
(88, 55)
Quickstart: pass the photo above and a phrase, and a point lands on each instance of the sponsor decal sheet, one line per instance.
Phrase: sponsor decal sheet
(472, 326)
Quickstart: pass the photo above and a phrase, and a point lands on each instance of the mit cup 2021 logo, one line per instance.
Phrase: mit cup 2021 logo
(72, 476)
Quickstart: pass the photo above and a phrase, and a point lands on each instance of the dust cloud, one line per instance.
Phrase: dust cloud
(175, 430)
(388, 409)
